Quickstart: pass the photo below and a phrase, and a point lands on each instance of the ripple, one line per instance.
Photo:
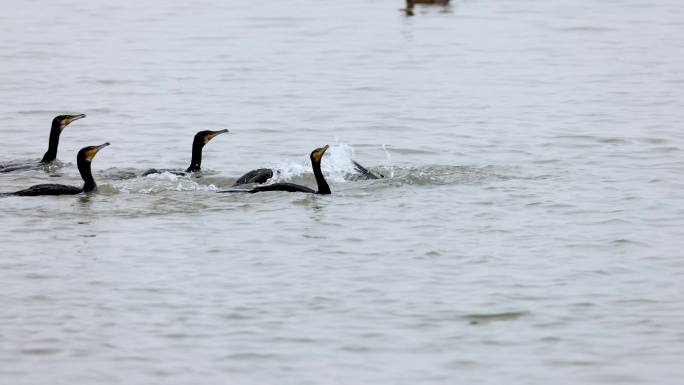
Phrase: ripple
(493, 317)
(252, 356)
(40, 351)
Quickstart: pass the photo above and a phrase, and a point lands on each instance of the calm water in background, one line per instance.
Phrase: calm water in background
(529, 229)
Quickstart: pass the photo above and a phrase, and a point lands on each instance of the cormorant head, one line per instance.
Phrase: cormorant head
(203, 137)
(317, 154)
(62, 121)
(88, 153)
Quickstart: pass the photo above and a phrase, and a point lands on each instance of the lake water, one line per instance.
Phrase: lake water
(530, 228)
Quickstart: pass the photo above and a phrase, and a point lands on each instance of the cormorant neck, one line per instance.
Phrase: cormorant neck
(323, 187)
(51, 153)
(88, 180)
(196, 162)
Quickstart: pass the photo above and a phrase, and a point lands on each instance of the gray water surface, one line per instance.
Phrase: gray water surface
(529, 229)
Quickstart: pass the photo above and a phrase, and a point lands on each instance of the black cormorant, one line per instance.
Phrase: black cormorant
(258, 176)
(323, 188)
(201, 138)
(58, 124)
(83, 160)
(262, 175)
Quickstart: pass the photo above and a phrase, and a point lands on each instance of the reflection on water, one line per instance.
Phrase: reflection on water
(85, 200)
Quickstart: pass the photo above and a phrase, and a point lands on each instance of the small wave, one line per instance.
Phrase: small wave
(40, 351)
(491, 317)
(116, 81)
(436, 175)
(627, 242)
(585, 28)
(38, 112)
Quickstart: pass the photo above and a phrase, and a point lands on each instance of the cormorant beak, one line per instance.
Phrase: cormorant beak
(90, 153)
(213, 134)
(67, 121)
(71, 118)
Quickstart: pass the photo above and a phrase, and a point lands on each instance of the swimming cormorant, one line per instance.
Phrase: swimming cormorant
(262, 175)
(201, 138)
(58, 124)
(83, 160)
(323, 188)
(258, 176)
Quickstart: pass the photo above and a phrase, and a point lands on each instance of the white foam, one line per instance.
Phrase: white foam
(388, 160)
(165, 181)
(336, 165)
(163, 176)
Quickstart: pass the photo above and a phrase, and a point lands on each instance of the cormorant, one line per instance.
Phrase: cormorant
(262, 175)
(83, 160)
(323, 188)
(201, 138)
(58, 124)
(258, 176)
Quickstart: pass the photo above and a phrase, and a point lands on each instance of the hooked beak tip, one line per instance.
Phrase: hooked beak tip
(214, 134)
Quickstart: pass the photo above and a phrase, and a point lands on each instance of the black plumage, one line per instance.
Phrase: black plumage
(58, 125)
(83, 159)
(323, 188)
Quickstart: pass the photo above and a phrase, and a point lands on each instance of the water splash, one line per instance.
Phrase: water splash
(388, 160)
(337, 165)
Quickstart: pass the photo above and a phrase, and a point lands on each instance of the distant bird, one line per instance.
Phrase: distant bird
(58, 124)
(410, 3)
(83, 160)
